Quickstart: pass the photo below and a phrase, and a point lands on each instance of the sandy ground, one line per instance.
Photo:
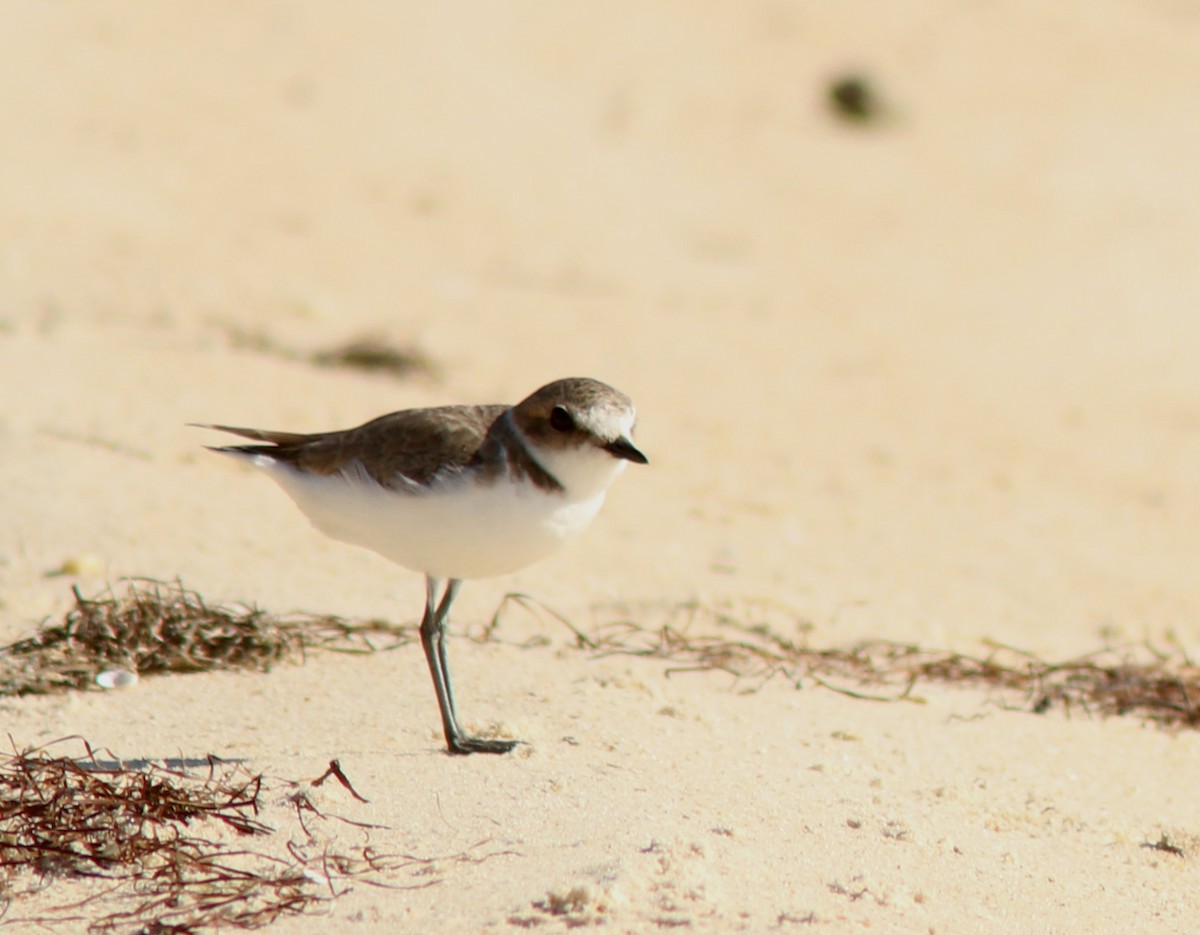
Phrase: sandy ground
(933, 378)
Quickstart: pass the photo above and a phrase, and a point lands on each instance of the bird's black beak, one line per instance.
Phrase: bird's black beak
(624, 448)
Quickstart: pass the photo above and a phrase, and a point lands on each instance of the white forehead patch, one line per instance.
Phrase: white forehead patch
(608, 422)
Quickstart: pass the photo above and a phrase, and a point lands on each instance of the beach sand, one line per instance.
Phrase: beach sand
(927, 377)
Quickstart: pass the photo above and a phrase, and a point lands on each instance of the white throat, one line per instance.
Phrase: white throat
(584, 472)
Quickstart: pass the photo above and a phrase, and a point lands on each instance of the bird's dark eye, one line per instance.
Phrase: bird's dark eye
(560, 420)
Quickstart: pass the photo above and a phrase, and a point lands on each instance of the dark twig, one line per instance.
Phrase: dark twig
(335, 770)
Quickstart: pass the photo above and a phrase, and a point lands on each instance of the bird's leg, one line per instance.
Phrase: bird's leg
(441, 619)
(433, 641)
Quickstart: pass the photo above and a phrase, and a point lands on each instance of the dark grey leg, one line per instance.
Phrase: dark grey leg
(433, 641)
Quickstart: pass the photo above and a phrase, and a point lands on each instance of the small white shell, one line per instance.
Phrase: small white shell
(116, 678)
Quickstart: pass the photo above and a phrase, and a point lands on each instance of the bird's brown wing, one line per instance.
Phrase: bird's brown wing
(397, 450)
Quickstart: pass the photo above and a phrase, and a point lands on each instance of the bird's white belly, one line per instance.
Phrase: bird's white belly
(458, 529)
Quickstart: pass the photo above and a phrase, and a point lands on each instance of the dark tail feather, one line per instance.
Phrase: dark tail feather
(262, 435)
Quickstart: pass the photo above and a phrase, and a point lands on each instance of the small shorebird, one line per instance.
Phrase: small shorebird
(458, 492)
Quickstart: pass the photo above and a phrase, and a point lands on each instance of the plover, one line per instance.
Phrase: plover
(458, 492)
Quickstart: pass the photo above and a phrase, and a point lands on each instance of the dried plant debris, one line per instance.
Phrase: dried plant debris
(372, 353)
(375, 355)
(140, 833)
(746, 640)
(158, 626)
(1165, 845)
(854, 98)
(158, 849)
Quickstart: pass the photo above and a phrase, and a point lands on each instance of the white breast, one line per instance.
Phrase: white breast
(456, 529)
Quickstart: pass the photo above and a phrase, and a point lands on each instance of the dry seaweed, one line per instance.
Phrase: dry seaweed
(376, 355)
(158, 627)
(746, 641)
(370, 353)
(160, 850)
(132, 830)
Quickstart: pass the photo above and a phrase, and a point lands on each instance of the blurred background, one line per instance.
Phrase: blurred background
(907, 294)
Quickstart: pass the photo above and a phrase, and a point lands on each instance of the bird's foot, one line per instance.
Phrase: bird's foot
(463, 745)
